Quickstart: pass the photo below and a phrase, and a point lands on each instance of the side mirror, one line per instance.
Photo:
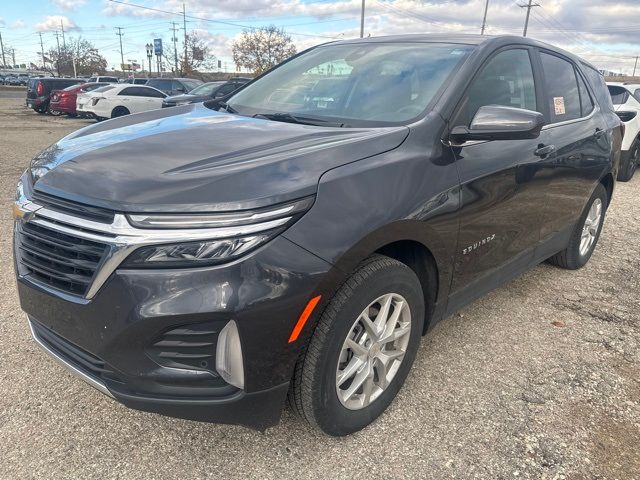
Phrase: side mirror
(495, 122)
(180, 89)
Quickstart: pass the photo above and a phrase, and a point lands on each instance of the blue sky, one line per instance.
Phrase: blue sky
(604, 31)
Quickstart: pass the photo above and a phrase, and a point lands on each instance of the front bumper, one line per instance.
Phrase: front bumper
(123, 332)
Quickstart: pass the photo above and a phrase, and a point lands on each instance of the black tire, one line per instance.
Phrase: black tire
(54, 113)
(629, 165)
(40, 110)
(119, 112)
(570, 258)
(313, 393)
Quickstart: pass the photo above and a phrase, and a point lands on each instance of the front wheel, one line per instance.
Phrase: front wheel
(585, 234)
(362, 349)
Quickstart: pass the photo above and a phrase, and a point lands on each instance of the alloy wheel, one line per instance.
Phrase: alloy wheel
(590, 227)
(373, 351)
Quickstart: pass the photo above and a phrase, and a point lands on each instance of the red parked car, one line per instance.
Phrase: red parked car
(64, 101)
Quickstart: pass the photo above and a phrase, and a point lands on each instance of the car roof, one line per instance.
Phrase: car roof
(483, 41)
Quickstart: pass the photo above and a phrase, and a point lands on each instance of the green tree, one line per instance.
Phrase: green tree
(262, 48)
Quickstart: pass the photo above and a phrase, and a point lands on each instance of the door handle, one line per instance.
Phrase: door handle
(544, 150)
(599, 133)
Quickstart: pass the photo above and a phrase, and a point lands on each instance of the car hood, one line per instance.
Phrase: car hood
(186, 97)
(191, 158)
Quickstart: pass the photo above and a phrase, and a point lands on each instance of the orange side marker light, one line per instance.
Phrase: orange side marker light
(304, 316)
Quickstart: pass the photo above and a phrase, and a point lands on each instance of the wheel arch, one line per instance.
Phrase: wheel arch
(411, 242)
(608, 183)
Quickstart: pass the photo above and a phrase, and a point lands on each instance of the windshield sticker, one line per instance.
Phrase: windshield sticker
(558, 105)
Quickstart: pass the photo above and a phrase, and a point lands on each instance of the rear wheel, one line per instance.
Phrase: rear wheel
(41, 109)
(586, 233)
(119, 112)
(55, 113)
(362, 349)
(628, 168)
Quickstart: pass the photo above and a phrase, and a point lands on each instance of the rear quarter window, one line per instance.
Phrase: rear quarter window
(599, 86)
(619, 95)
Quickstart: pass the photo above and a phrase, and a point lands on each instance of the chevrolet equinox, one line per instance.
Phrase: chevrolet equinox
(295, 239)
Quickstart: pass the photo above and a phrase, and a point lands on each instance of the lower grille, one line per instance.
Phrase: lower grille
(88, 363)
(189, 346)
(57, 259)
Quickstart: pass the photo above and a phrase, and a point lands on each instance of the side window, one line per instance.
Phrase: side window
(129, 91)
(177, 86)
(223, 90)
(507, 80)
(586, 104)
(561, 88)
(164, 85)
(150, 92)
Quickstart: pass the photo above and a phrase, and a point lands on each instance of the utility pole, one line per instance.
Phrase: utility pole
(526, 21)
(175, 47)
(44, 65)
(184, 22)
(64, 44)
(362, 20)
(634, 67)
(119, 33)
(484, 19)
(57, 34)
(4, 62)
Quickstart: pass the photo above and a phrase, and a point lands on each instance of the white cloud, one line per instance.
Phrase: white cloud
(69, 4)
(18, 24)
(52, 23)
(602, 32)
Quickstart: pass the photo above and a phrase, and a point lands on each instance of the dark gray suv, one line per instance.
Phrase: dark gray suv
(297, 239)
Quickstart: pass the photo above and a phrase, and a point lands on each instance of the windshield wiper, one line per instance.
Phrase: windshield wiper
(228, 108)
(289, 118)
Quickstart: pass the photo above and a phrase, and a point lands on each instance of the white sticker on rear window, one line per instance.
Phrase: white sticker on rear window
(558, 105)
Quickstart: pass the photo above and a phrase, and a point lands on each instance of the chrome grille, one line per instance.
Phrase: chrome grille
(59, 260)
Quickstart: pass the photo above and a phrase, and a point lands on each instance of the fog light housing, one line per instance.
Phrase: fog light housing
(229, 355)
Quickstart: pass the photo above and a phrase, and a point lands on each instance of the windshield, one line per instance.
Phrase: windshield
(206, 89)
(379, 82)
(104, 89)
(191, 84)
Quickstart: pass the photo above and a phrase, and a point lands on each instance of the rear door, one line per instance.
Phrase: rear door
(581, 144)
(500, 188)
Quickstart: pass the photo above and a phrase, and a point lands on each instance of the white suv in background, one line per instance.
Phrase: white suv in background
(626, 101)
(116, 100)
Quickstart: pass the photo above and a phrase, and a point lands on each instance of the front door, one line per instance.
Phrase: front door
(500, 186)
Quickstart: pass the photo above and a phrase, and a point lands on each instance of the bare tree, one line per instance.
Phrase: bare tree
(199, 56)
(87, 59)
(262, 48)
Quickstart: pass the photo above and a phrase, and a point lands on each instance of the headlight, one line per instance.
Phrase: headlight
(194, 254)
(221, 237)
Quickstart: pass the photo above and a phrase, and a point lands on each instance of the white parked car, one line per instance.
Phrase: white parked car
(626, 101)
(116, 100)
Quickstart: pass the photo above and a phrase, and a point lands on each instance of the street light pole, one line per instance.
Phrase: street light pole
(149, 55)
(362, 20)
(634, 67)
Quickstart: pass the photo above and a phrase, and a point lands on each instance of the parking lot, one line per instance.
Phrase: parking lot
(539, 379)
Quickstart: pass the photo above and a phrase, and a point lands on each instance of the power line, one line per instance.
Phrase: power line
(211, 20)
